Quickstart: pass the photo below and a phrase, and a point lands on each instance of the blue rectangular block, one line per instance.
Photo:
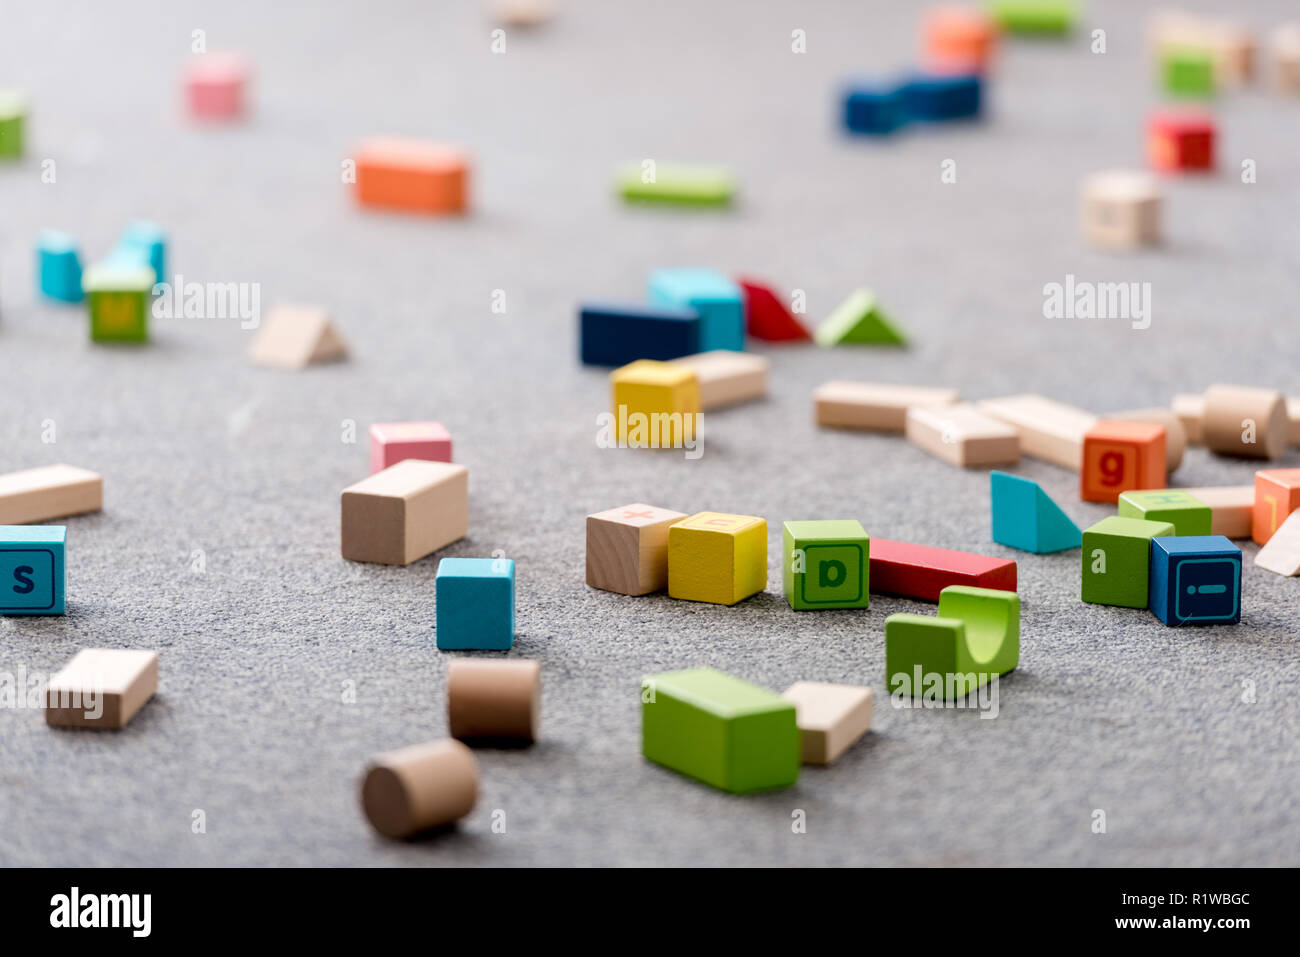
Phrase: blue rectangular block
(475, 604)
(613, 334)
(937, 98)
(145, 243)
(58, 266)
(874, 109)
(32, 570)
(716, 298)
(1195, 580)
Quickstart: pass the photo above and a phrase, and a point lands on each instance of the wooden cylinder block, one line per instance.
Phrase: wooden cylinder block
(419, 788)
(1240, 420)
(499, 700)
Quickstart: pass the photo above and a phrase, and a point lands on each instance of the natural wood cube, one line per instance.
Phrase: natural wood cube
(627, 548)
(1121, 209)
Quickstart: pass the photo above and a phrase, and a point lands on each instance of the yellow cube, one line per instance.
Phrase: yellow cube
(655, 404)
(717, 558)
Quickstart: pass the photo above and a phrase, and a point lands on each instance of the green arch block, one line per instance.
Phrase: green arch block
(975, 636)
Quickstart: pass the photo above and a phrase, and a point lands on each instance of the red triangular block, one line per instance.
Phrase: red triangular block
(766, 316)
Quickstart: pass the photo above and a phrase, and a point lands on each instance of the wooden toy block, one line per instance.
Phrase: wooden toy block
(1034, 17)
(962, 435)
(975, 637)
(475, 604)
(419, 788)
(1121, 209)
(412, 176)
(873, 108)
(766, 316)
(614, 335)
(965, 35)
(937, 97)
(1175, 432)
(13, 117)
(1245, 421)
(1187, 513)
(101, 688)
(859, 320)
(1025, 517)
(1231, 508)
(676, 184)
(627, 548)
(1116, 557)
(923, 572)
(1293, 416)
(718, 729)
(1048, 430)
(727, 378)
(874, 406)
(525, 14)
(405, 512)
(119, 298)
(215, 85)
(1187, 71)
(494, 700)
(1118, 456)
(58, 266)
(393, 442)
(830, 717)
(1190, 410)
(1276, 496)
(49, 492)
(144, 244)
(715, 297)
(1282, 552)
(1229, 45)
(1181, 142)
(1284, 44)
(717, 558)
(294, 337)
(826, 564)
(1195, 580)
(32, 570)
(655, 404)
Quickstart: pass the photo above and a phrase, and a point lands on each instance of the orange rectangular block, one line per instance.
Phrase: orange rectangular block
(1119, 456)
(412, 175)
(1277, 495)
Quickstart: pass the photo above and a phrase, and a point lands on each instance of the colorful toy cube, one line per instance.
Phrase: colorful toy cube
(1181, 142)
(717, 558)
(13, 115)
(1277, 495)
(58, 266)
(964, 35)
(1188, 71)
(613, 335)
(1117, 559)
(214, 85)
(1025, 517)
(715, 297)
(826, 564)
(656, 404)
(145, 244)
(32, 580)
(475, 604)
(1195, 580)
(1118, 456)
(627, 548)
(119, 296)
(720, 730)
(393, 442)
(1187, 513)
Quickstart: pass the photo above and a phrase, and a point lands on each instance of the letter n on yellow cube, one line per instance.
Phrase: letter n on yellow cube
(717, 558)
(655, 404)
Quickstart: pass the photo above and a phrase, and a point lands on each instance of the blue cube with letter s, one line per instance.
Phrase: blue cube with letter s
(32, 569)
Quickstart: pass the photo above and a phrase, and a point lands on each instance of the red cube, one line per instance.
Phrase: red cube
(214, 85)
(1180, 141)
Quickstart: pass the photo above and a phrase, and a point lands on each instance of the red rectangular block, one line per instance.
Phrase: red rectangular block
(922, 571)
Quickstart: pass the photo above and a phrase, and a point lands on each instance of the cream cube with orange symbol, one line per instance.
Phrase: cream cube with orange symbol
(717, 558)
(655, 404)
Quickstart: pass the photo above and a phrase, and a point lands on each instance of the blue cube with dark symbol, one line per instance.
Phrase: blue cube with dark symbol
(32, 570)
(1195, 580)
(474, 604)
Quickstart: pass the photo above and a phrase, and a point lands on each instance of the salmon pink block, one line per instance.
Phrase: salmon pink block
(766, 317)
(1178, 142)
(214, 85)
(922, 571)
(392, 442)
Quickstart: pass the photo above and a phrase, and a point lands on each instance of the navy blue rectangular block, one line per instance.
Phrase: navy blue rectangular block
(941, 97)
(613, 334)
(875, 109)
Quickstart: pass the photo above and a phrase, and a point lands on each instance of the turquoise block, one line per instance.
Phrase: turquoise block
(32, 578)
(716, 298)
(1025, 517)
(475, 604)
(58, 266)
(146, 244)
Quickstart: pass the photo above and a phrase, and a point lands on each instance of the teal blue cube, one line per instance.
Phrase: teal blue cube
(475, 604)
(144, 244)
(58, 266)
(32, 578)
(711, 294)
(1195, 580)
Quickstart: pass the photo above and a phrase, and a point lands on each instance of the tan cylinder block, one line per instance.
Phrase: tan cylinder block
(419, 788)
(494, 699)
(1175, 434)
(1234, 414)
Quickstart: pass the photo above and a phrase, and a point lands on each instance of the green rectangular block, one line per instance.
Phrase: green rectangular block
(1187, 513)
(119, 297)
(826, 564)
(1117, 560)
(720, 730)
(651, 182)
(13, 115)
(1041, 17)
(1188, 71)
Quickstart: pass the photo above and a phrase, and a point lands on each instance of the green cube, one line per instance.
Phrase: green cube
(826, 564)
(119, 296)
(1187, 513)
(923, 656)
(1037, 17)
(13, 114)
(1188, 72)
(1117, 560)
(720, 730)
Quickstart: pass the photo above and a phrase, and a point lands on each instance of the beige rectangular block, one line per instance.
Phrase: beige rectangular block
(1048, 430)
(1120, 209)
(726, 377)
(1284, 47)
(1190, 410)
(1175, 434)
(874, 406)
(52, 491)
(405, 512)
(101, 688)
(830, 717)
(1281, 553)
(627, 548)
(962, 435)
(1230, 508)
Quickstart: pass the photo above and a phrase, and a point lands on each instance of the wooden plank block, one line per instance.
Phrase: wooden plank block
(293, 337)
(923, 571)
(419, 788)
(1048, 429)
(962, 435)
(613, 334)
(1119, 456)
(393, 442)
(49, 492)
(874, 406)
(830, 717)
(1175, 433)
(717, 558)
(474, 604)
(494, 700)
(405, 512)
(1190, 410)
(1231, 508)
(412, 176)
(33, 579)
(1277, 495)
(726, 377)
(1281, 554)
(676, 183)
(627, 548)
(101, 688)
(1120, 209)
(1245, 421)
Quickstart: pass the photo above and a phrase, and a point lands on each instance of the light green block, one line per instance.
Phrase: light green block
(1188, 71)
(119, 296)
(975, 636)
(684, 185)
(1187, 513)
(720, 730)
(859, 320)
(1038, 17)
(826, 564)
(13, 117)
(1117, 560)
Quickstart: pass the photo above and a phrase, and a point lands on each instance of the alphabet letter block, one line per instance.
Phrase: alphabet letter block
(1277, 495)
(1118, 456)
(1195, 580)
(32, 569)
(627, 548)
(826, 564)
(1188, 514)
(1116, 560)
(717, 558)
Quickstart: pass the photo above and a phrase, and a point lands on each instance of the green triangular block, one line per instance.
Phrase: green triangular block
(859, 320)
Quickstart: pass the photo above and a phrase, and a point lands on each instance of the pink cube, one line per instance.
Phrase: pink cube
(391, 442)
(214, 85)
